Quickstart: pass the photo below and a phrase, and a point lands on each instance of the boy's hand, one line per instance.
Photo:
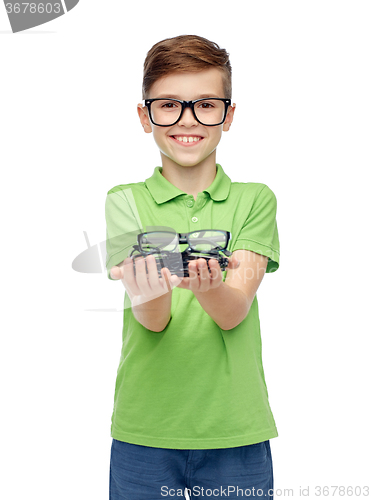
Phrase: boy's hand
(143, 287)
(200, 279)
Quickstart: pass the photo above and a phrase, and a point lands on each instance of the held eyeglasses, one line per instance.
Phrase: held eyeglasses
(176, 250)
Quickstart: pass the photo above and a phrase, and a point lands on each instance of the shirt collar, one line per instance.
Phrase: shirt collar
(162, 190)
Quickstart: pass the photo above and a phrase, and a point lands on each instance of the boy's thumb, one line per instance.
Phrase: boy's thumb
(234, 263)
(115, 273)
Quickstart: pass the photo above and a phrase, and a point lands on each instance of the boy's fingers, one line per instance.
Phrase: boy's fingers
(204, 274)
(153, 277)
(214, 268)
(142, 277)
(129, 279)
(193, 280)
(166, 279)
(174, 280)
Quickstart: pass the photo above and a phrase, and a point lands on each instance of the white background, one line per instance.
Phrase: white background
(69, 132)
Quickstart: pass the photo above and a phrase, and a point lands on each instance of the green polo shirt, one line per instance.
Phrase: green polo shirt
(193, 385)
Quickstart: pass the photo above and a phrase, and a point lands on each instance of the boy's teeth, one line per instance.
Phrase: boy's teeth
(187, 139)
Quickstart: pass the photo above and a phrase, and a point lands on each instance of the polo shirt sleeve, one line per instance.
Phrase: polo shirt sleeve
(259, 232)
(122, 226)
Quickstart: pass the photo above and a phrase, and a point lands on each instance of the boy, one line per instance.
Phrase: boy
(191, 407)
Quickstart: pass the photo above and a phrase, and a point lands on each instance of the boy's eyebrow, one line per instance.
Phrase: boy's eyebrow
(173, 96)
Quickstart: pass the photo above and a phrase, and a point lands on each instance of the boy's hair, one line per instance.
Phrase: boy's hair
(185, 53)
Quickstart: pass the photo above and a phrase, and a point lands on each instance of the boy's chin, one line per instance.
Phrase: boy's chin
(188, 164)
(184, 162)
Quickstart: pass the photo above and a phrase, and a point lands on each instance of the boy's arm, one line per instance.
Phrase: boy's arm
(229, 302)
(155, 314)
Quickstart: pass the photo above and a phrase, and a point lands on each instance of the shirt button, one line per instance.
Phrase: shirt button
(189, 203)
(194, 219)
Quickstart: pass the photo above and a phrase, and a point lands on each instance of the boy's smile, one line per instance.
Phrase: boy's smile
(188, 143)
(187, 140)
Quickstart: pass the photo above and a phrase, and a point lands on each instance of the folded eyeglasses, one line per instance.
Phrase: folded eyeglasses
(176, 250)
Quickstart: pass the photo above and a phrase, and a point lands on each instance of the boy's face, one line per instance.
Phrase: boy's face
(187, 87)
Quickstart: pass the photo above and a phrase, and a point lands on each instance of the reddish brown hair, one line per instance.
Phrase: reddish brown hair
(185, 53)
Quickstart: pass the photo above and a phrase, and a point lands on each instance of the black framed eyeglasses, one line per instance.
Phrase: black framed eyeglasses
(211, 111)
(204, 241)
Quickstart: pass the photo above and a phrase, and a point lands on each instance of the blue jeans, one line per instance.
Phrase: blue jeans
(146, 473)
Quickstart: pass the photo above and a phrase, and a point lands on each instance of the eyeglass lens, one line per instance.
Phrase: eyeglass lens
(204, 241)
(159, 239)
(208, 111)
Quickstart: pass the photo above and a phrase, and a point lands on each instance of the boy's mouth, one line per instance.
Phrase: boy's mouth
(187, 139)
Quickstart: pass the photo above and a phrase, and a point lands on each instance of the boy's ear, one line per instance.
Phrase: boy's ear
(144, 118)
(229, 118)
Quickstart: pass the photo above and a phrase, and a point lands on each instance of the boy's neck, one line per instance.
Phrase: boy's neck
(191, 180)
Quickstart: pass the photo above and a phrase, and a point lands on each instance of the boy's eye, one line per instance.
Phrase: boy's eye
(205, 105)
(169, 105)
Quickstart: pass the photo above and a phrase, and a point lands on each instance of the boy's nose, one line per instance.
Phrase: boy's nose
(187, 118)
